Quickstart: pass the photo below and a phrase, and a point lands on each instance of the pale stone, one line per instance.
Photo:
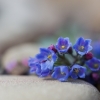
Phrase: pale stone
(19, 53)
(34, 88)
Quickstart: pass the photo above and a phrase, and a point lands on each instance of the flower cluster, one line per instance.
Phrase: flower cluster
(63, 61)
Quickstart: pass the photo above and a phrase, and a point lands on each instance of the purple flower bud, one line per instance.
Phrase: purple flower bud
(88, 56)
(70, 50)
(52, 47)
(95, 76)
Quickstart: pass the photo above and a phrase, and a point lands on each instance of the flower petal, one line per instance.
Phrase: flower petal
(45, 73)
(82, 72)
(89, 48)
(73, 75)
(38, 70)
(54, 56)
(41, 57)
(82, 53)
(47, 65)
(60, 41)
(80, 41)
(32, 70)
(45, 51)
(56, 72)
(66, 41)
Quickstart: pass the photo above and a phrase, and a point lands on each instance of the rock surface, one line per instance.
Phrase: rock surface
(33, 88)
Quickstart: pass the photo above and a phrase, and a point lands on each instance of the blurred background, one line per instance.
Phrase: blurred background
(26, 25)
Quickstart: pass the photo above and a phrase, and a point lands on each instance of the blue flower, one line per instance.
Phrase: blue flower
(77, 71)
(33, 62)
(41, 69)
(93, 64)
(61, 73)
(82, 46)
(63, 44)
(47, 56)
(42, 73)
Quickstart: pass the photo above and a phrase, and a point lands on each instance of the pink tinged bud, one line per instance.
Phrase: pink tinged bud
(95, 76)
(52, 47)
(25, 62)
(89, 56)
(11, 65)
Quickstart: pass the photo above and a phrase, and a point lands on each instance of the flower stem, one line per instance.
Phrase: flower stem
(64, 59)
(75, 61)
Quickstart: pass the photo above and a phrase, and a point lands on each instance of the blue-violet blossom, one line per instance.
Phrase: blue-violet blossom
(82, 46)
(47, 56)
(63, 44)
(61, 73)
(93, 64)
(77, 71)
(37, 68)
